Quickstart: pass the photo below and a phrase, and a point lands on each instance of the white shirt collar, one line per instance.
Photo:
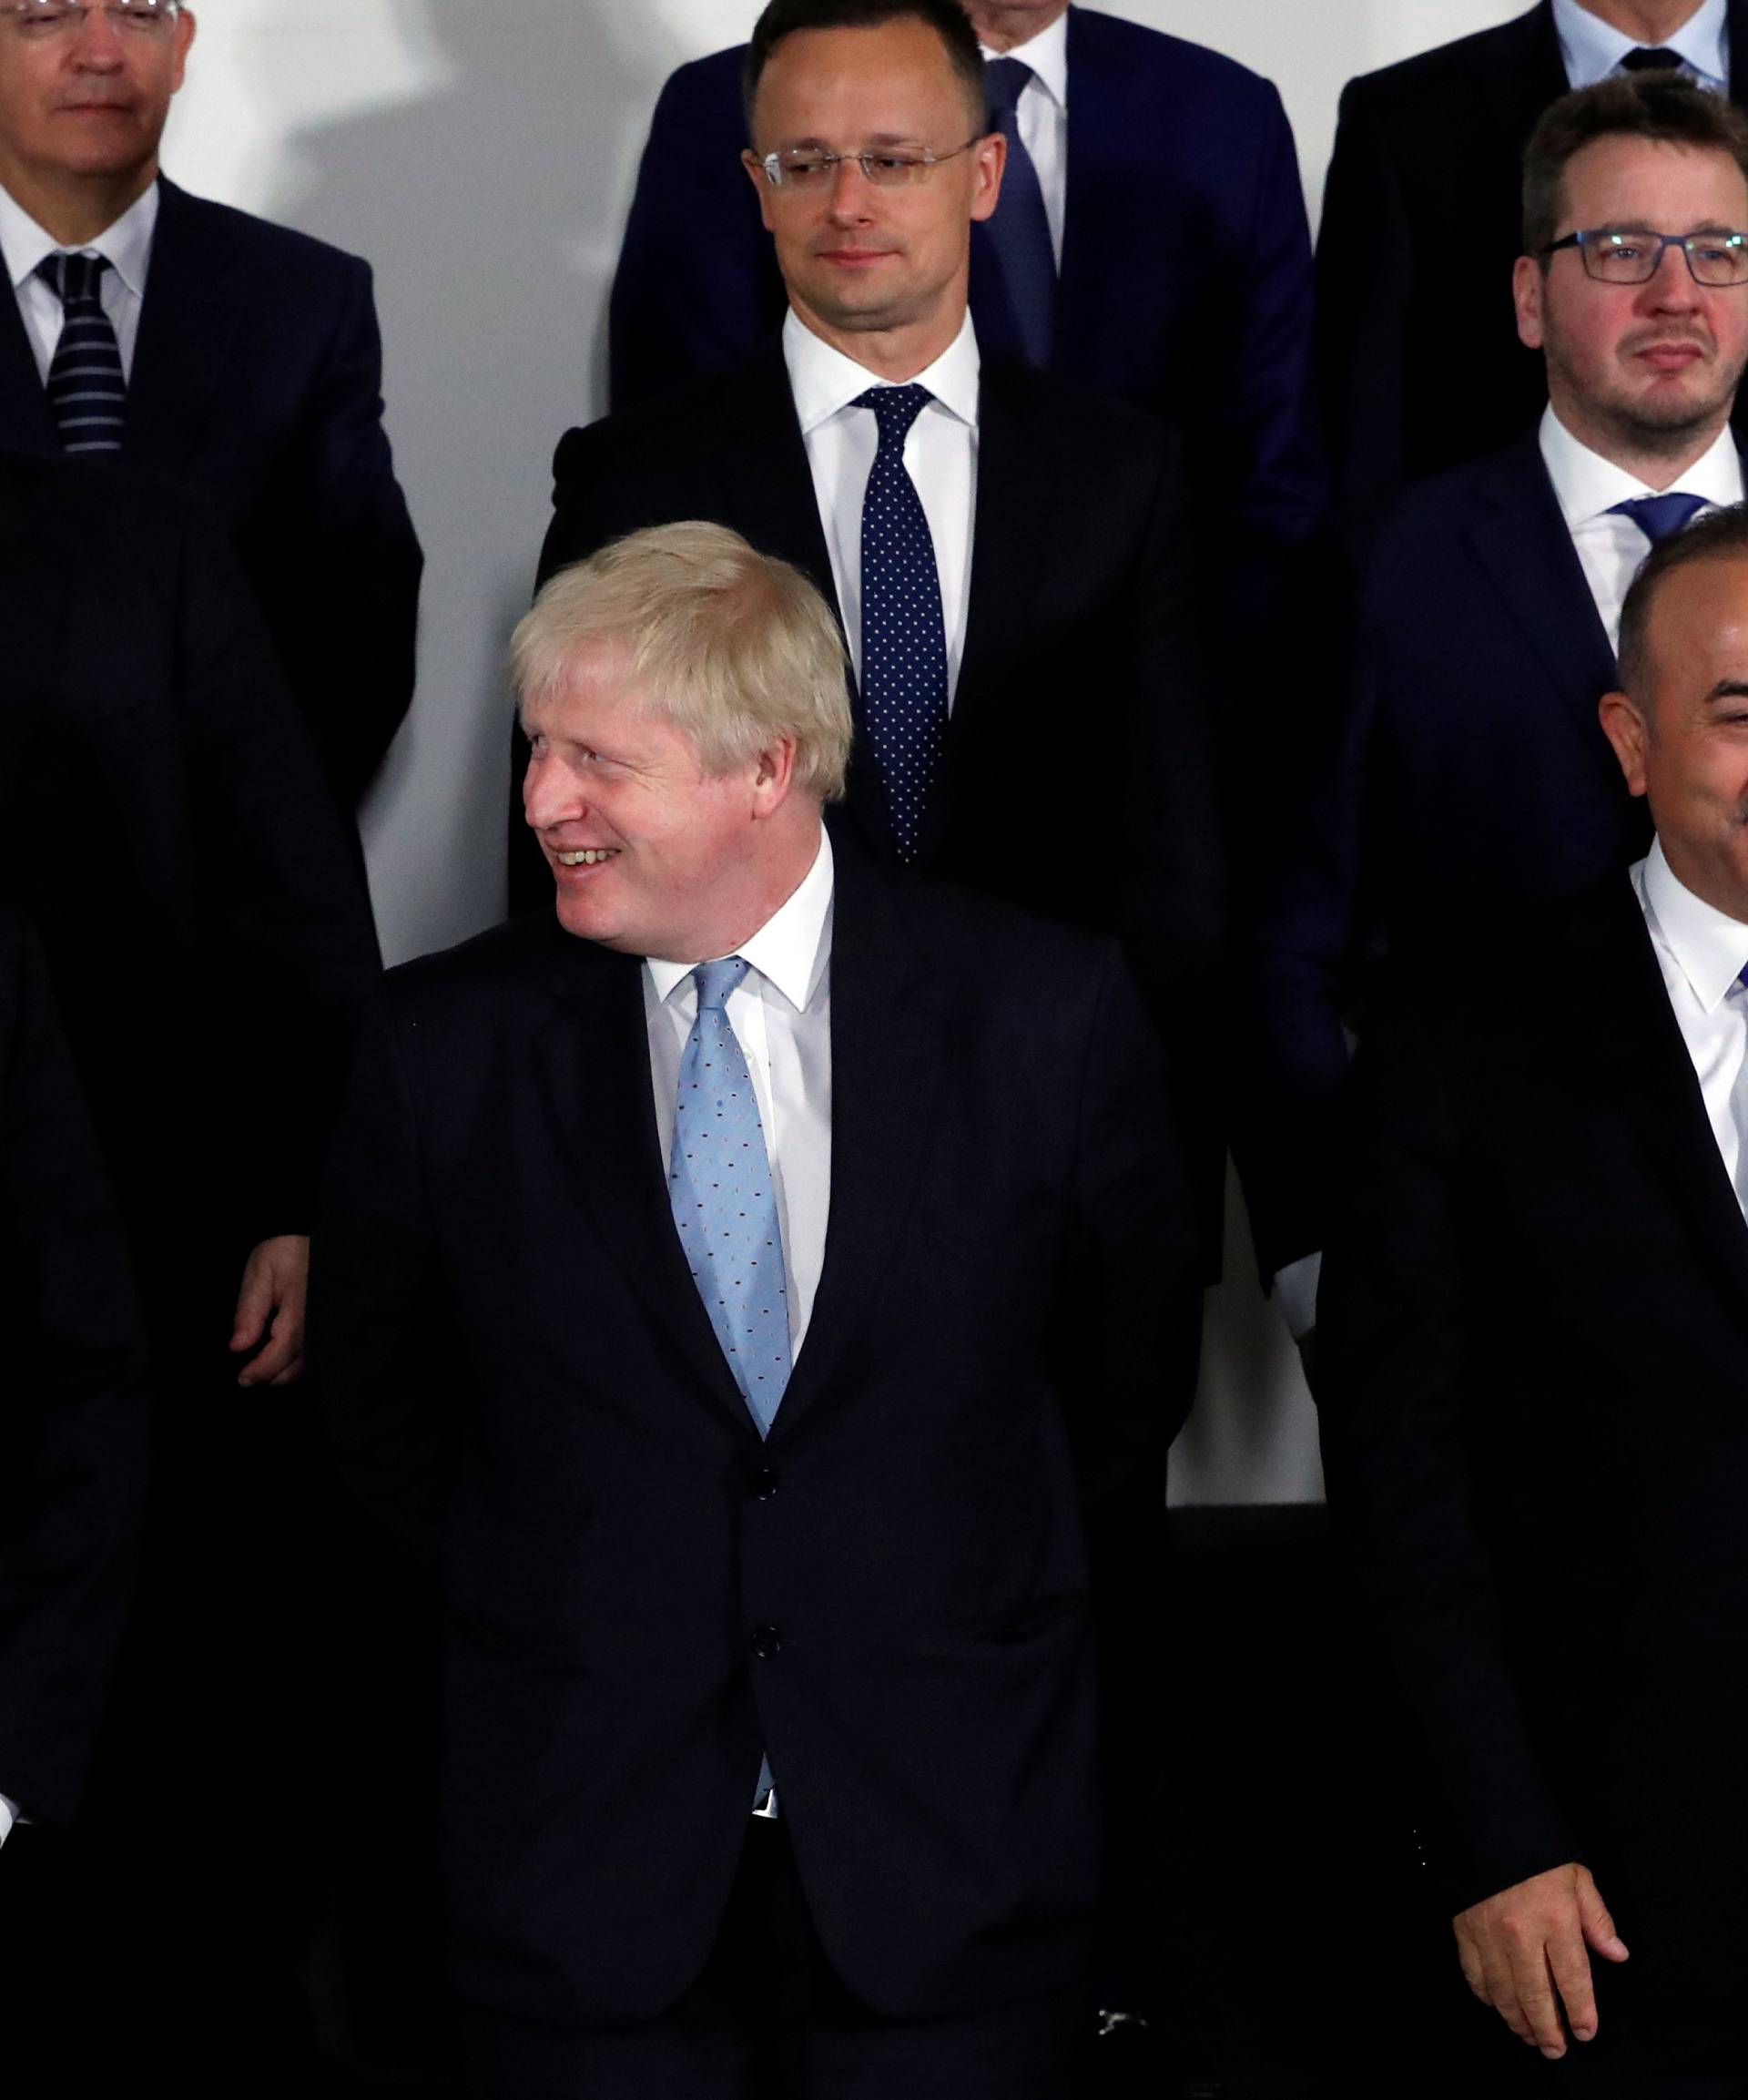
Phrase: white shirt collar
(1710, 947)
(1047, 54)
(1586, 485)
(126, 244)
(825, 381)
(789, 949)
(1591, 49)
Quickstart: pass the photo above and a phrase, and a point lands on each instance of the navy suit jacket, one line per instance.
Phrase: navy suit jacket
(519, 1369)
(1185, 275)
(1471, 774)
(73, 1488)
(1418, 362)
(257, 379)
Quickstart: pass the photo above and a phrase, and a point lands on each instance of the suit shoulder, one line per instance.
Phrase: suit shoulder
(989, 940)
(1095, 421)
(281, 252)
(1429, 512)
(1150, 61)
(483, 969)
(1423, 84)
(645, 432)
(703, 87)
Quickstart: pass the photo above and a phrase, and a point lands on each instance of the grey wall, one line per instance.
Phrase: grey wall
(482, 157)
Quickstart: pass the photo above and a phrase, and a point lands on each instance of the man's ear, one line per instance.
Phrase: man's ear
(990, 157)
(1528, 285)
(761, 182)
(1627, 729)
(774, 777)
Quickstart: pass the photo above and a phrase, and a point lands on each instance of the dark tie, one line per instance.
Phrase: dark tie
(1651, 58)
(1661, 517)
(1024, 277)
(904, 637)
(88, 393)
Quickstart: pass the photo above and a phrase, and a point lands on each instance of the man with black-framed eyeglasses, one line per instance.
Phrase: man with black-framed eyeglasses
(232, 354)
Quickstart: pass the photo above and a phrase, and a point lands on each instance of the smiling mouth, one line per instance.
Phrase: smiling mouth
(588, 857)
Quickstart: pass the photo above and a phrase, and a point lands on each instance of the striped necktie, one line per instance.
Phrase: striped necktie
(87, 390)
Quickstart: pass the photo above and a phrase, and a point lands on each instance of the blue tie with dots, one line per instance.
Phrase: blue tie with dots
(1018, 237)
(904, 637)
(88, 391)
(1661, 517)
(719, 1182)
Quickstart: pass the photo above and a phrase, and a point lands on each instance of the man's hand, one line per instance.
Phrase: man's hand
(276, 1278)
(1524, 1953)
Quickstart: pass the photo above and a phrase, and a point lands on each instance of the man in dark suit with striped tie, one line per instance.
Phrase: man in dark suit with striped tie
(208, 345)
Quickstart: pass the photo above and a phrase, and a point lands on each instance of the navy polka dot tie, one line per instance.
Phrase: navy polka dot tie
(904, 637)
(1023, 320)
(719, 1182)
(1661, 517)
(88, 393)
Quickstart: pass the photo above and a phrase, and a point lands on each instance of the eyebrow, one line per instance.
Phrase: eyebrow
(1727, 690)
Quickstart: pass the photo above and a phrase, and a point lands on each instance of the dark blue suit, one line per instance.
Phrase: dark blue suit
(257, 379)
(1186, 270)
(1471, 773)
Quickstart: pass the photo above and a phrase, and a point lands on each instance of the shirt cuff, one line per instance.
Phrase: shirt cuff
(8, 1817)
(1296, 1292)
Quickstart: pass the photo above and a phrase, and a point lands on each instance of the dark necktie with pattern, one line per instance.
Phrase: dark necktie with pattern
(1651, 58)
(904, 637)
(1661, 517)
(1023, 320)
(88, 392)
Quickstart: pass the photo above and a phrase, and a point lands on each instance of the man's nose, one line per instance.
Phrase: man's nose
(851, 191)
(96, 42)
(1671, 283)
(550, 793)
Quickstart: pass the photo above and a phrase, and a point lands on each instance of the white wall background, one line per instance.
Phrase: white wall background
(483, 158)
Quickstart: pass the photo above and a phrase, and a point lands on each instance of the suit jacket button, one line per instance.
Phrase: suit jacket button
(764, 1483)
(766, 1642)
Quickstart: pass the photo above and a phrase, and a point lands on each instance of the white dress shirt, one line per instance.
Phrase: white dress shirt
(1043, 118)
(8, 1817)
(1702, 951)
(1591, 50)
(780, 1013)
(940, 455)
(1611, 548)
(127, 246)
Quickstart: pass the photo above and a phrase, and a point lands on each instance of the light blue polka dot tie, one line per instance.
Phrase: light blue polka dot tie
(719, 1182)
(904, 637)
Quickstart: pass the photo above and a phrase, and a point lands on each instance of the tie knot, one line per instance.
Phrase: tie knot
(1005, 80)
(717, 980)
(72, 277)
(896, 408)
(1661, 517)
(1651, 58)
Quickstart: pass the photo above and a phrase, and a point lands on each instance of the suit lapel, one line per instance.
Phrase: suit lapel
(1099, 196)
(1649, 1071)
(592, 1064)
(886, 1046)
(762, 471)
(25, 425)
(195, 294)
(1736, 40)
(1522, 541)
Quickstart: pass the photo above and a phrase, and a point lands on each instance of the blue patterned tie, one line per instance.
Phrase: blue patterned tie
(88, 392)
(1661, 517)
(719, 1182)
(904, 637)
(1018, 236)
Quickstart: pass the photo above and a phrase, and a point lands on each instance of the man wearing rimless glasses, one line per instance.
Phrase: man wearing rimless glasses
(235, 355)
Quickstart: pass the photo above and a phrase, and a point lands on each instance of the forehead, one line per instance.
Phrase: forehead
(887, 80)
(1698, 632)
(1674, 189)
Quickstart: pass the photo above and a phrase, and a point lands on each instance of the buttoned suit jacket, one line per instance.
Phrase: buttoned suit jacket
(1079, 640)
(1534, 1313)
(521, 1378)
(257, 379)
(1469, 776)
(77, 1410)
(1183, 201)
(163, 820)
(1419, 363)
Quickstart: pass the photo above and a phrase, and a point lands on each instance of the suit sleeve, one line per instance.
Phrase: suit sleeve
(695, 288)
(76, 1418)
(347, 631)
(1365, 280)
(380, 1351)
(1397, 1331)
(294, 937)
(1171, 880)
